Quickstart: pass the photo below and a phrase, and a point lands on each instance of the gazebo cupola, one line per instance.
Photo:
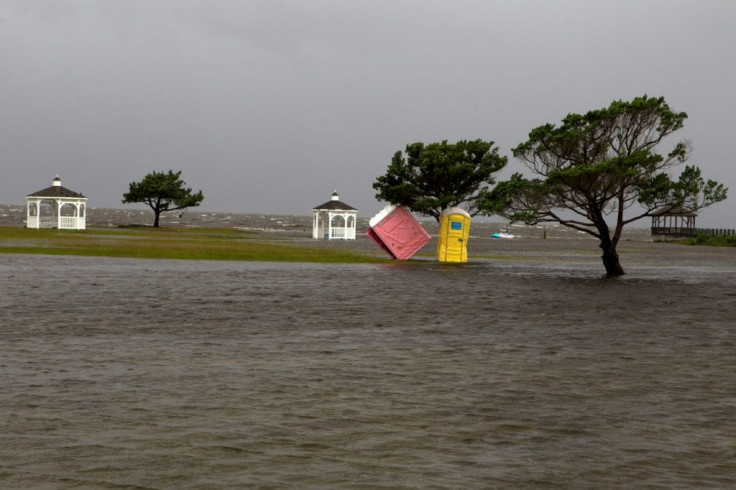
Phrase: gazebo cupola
(334, 220)
(56, 207)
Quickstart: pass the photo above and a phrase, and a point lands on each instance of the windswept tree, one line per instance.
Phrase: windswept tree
(430, 178)
(598, 172)
(162, 192)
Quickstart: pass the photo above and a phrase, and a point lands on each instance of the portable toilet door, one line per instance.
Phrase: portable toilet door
(452, 243)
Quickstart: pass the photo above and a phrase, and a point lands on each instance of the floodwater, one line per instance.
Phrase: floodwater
(525, 369)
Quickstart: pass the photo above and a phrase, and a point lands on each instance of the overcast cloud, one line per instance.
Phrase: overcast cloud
(268, 106)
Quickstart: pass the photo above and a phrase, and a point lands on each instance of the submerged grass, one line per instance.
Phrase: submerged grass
(712, 241)
(170, 243)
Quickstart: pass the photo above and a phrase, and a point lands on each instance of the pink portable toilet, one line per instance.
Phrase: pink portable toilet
(397, 232)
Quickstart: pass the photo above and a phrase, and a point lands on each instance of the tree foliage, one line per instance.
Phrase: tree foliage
(162, 192)
(430, 178)
(602, 166)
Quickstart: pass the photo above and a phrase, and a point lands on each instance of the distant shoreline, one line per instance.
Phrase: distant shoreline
(14, 215)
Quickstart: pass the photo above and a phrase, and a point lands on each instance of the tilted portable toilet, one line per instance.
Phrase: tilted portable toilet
(397, 232)
(452, 242)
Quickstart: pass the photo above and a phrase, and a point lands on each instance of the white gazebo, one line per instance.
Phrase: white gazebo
(56, 207)
(334, 220)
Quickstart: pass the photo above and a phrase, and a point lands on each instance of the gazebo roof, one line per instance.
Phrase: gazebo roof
(334, 204)
(674, 211)
(57, 191)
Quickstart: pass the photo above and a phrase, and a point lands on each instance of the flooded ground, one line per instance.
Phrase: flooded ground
(522, 369)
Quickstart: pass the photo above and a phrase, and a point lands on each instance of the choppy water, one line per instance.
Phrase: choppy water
(496, 374)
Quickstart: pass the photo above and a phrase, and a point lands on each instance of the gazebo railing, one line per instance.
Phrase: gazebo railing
(71, 223)
(48, 222)
(63, 223)
(343, 233)
(32, 222)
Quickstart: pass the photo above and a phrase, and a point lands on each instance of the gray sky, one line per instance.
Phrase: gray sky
(268, 106)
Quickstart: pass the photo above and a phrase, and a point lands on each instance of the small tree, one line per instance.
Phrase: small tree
(162, 192)
(433, 177)
(600, 165)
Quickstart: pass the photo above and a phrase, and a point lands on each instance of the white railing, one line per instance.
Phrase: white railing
(63, 223)
(48, 222)
(69, 223)
(343, 233)
(336, 232)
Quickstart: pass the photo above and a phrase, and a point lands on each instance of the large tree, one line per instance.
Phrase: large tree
(430, 178)
(599, 171)
(162, 192)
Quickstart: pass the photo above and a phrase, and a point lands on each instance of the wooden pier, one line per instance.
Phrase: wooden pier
(688, 232)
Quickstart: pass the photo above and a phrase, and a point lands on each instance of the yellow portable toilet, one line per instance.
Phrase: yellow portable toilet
(452, 243)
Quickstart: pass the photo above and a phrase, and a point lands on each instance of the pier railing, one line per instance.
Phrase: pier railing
(675, 232)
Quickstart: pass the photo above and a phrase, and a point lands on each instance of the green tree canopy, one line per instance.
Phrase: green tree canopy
(603, 166)
(162, 192)
(430, 178)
